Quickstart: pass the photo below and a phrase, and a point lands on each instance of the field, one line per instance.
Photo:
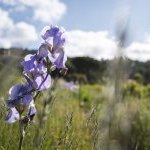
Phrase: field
(113, 115)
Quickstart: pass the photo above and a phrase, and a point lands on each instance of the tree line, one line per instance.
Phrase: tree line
(83, 69)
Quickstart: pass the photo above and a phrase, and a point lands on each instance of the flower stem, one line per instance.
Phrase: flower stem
(22, 134)
(22, 127)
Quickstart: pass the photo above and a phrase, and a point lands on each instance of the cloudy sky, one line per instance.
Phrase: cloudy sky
(90, 25)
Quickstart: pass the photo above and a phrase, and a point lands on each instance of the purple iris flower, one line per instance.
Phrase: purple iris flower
(28, 63)
(32, 64)
(54, 36)
(71, 85)
(42, 82)
(37, 74)
(39, 82)
(55, 40)
(20, 96)
(12, 116)
(43, 50)
(49, 31)
(58, 59)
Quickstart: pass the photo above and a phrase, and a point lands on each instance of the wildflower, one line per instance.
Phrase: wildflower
(42, 82)
(12, 115)
(54, 36)
(32, 65)
(58, 59)
(39, 82)
(55, 40)
(20, 97)
(36, 70)
(43, 50)
(70, 85)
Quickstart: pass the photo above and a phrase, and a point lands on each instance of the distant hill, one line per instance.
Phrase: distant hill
(81, 69)
(86, 69)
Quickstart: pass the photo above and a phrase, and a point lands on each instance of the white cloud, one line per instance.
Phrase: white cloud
(101, 45)
(51, 12)
(98, 44)
(138, 51)
(46, 11)
(4, 43)
(22, 33)
(5, 20)
(10, 2)
(15, 34)
(94, 44)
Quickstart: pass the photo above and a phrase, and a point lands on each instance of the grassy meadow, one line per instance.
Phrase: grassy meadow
(114, 115)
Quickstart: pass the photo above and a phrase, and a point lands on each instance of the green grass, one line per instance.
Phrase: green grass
(84, 119)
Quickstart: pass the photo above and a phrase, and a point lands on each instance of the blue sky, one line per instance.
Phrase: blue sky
(90, 25)
(88, 15)
(100, 15)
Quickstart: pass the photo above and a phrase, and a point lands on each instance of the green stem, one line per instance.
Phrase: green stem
(22, 134)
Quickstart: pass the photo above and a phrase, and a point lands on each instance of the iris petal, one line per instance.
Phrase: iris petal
(42, 82)
(58, 59)
(18, 95)
(12, 116)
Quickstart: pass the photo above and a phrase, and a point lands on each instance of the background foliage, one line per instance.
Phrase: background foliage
(86, 118)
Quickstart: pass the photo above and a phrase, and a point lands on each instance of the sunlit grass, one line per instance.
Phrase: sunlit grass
(80, 119)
